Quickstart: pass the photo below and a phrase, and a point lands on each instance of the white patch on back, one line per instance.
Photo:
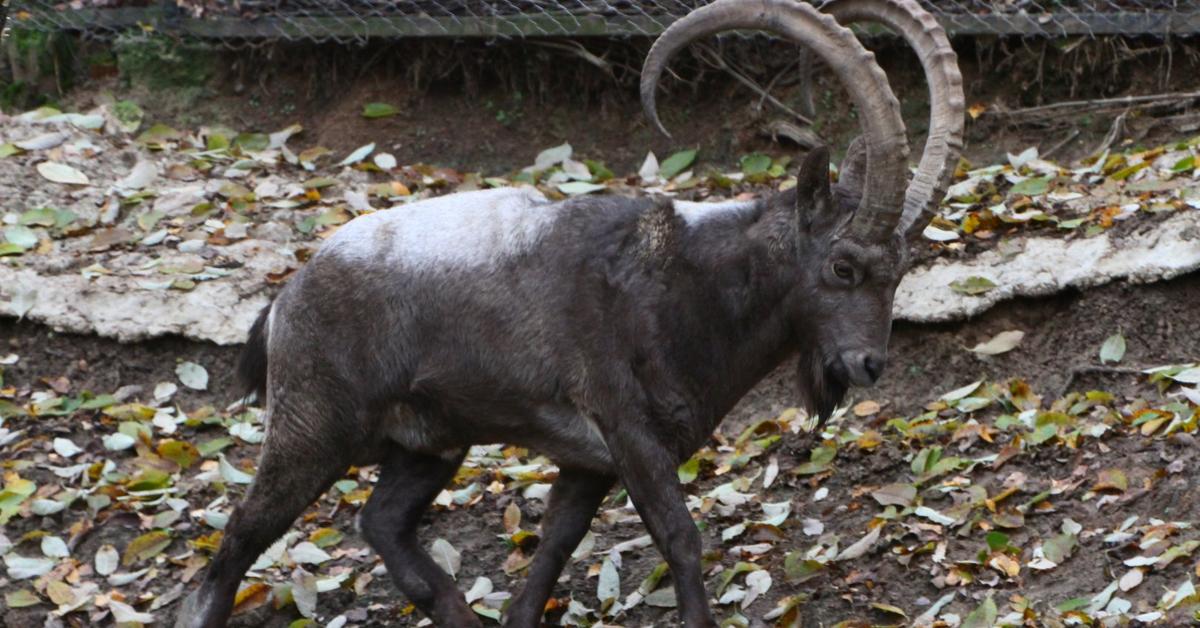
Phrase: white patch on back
(694, 213)
(464, 230)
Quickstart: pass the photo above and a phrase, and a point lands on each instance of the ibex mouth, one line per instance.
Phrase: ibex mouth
(839, 373)
(858, 376)
(857, 368)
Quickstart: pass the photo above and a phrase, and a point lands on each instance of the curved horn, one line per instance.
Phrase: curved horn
(946, 102)
(887, 147)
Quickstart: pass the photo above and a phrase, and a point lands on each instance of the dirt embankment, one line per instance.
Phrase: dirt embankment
(488, 107)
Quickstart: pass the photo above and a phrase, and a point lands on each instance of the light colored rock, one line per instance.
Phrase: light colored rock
(1047, 265)
(132, 308)
(222, 310)
(129, 307)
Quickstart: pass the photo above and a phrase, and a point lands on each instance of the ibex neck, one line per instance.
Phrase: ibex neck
(748, 326)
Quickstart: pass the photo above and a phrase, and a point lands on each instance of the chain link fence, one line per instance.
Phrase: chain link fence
(356, 21)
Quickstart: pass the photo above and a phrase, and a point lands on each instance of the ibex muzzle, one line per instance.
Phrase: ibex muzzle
(611, 334)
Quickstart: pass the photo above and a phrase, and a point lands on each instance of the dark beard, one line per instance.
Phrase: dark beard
(821, 392)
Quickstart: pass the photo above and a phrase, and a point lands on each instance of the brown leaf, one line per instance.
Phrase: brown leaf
(59, 592)
(1002, 342)
(516, 561)
(253, 596)
(145, 547)
(1111, 480)
(194, 564)
(866, 408)
(181, 453)
(512, 518)
(1005, 564)
(896, 495)
(280, 276)
(102, 240)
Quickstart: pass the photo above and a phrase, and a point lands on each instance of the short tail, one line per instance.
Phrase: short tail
(252, 365)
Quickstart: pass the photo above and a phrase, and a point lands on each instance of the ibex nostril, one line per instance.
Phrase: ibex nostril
(873, 366)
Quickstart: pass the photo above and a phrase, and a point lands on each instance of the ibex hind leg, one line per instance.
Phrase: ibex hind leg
(408, 483)
(295, 468)
(574, 499)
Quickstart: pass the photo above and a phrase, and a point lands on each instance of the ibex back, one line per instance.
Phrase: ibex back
(611, 334)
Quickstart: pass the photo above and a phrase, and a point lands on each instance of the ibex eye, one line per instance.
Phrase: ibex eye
(843, 271)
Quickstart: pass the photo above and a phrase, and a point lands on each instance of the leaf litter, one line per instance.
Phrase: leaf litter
(970, 497)
(193, 202)
(995, 527)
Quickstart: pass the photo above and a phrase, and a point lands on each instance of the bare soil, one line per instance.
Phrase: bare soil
(490, 107)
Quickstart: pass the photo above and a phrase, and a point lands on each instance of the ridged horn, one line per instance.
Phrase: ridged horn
(927, 38)
(883, 130)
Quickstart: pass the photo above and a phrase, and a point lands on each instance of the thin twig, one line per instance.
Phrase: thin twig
(1113, 133)
(1054, 149)
(1152, 99)
(1096, 370)
(578, 50)
(717, 62)
(771, 84)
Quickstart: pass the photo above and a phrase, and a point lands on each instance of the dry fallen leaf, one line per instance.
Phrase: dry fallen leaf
(1111, 480)
(866, 408)
(61, 173)
(1131, 579)
(1002, 342)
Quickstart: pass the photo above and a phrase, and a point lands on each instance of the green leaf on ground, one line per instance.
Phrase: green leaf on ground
(755, 164)
(676, 163)
(379, 110)
(984, 616)
(1032, 187)
(973, 286)
(145, 547)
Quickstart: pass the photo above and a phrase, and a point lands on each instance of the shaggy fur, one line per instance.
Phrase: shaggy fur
(614, 344)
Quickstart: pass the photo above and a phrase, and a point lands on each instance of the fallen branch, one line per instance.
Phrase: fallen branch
(804, 137)
(1148, 100)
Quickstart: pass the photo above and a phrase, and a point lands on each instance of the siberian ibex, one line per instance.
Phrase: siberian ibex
(611, 334)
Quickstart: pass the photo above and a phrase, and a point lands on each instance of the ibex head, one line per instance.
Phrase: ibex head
(848, 244)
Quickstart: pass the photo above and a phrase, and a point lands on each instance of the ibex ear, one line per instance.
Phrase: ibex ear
(849, 188)
(814, 202)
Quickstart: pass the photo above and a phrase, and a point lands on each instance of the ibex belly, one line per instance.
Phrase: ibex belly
(557, 431)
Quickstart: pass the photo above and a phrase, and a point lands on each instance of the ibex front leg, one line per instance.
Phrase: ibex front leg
(647, 468)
